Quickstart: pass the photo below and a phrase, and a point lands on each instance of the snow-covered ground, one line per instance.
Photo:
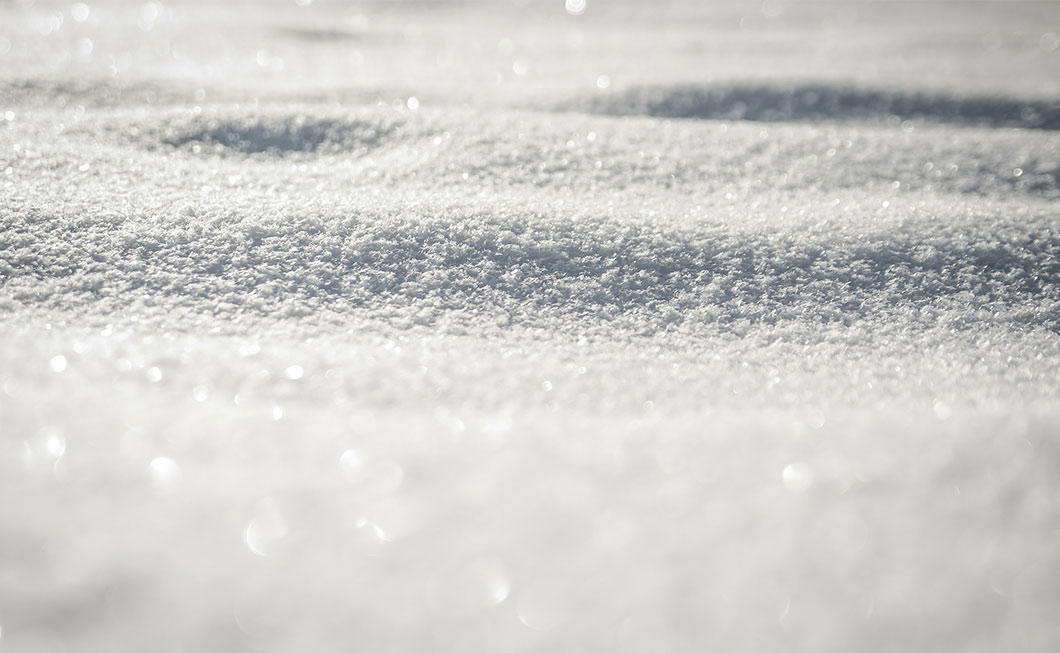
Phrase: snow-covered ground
(529, 326)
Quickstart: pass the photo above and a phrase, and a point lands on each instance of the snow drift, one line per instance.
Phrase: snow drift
(460, 327)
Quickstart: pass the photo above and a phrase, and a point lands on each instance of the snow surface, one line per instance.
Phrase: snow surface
(489, 326)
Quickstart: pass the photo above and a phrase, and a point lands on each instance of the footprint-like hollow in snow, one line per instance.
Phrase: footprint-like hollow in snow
(281, 136)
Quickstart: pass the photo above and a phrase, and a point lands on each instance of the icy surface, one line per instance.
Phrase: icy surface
(531, 326)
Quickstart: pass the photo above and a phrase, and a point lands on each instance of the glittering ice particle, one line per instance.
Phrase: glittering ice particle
(575, 7)
(149, 14)
(54, 446)
(165, 475)
(389, 519)
(371, 477)
(57, 363)
(294, 372)
(380, 532)
(941, 409)
(797, 478)
(266, 529)
(477, 586)
(542, 605)
(79, 11)
(351, 462)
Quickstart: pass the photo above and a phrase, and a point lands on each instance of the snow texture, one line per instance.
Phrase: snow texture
(510, 327)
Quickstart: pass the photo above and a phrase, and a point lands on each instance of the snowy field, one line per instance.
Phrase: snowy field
(490, 326)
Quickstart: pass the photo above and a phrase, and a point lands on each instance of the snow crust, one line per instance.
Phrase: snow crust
(461, 327)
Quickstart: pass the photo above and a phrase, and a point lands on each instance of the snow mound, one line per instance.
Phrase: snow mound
(822, 103)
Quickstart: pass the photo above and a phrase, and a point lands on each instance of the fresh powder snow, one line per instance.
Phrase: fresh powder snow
(529, 325)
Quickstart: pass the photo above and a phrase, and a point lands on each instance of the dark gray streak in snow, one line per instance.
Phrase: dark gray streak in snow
(821, 103)
(283, 136)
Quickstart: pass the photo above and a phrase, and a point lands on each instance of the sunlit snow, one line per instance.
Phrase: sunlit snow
(536, 325)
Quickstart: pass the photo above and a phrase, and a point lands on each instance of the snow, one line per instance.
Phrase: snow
(529, 326)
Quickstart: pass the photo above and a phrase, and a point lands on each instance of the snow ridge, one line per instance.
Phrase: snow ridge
(526, 264)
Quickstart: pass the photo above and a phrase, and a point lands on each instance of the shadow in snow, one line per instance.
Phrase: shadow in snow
(525, 264)
(822, 103)
(325, 35)
(281, 136)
